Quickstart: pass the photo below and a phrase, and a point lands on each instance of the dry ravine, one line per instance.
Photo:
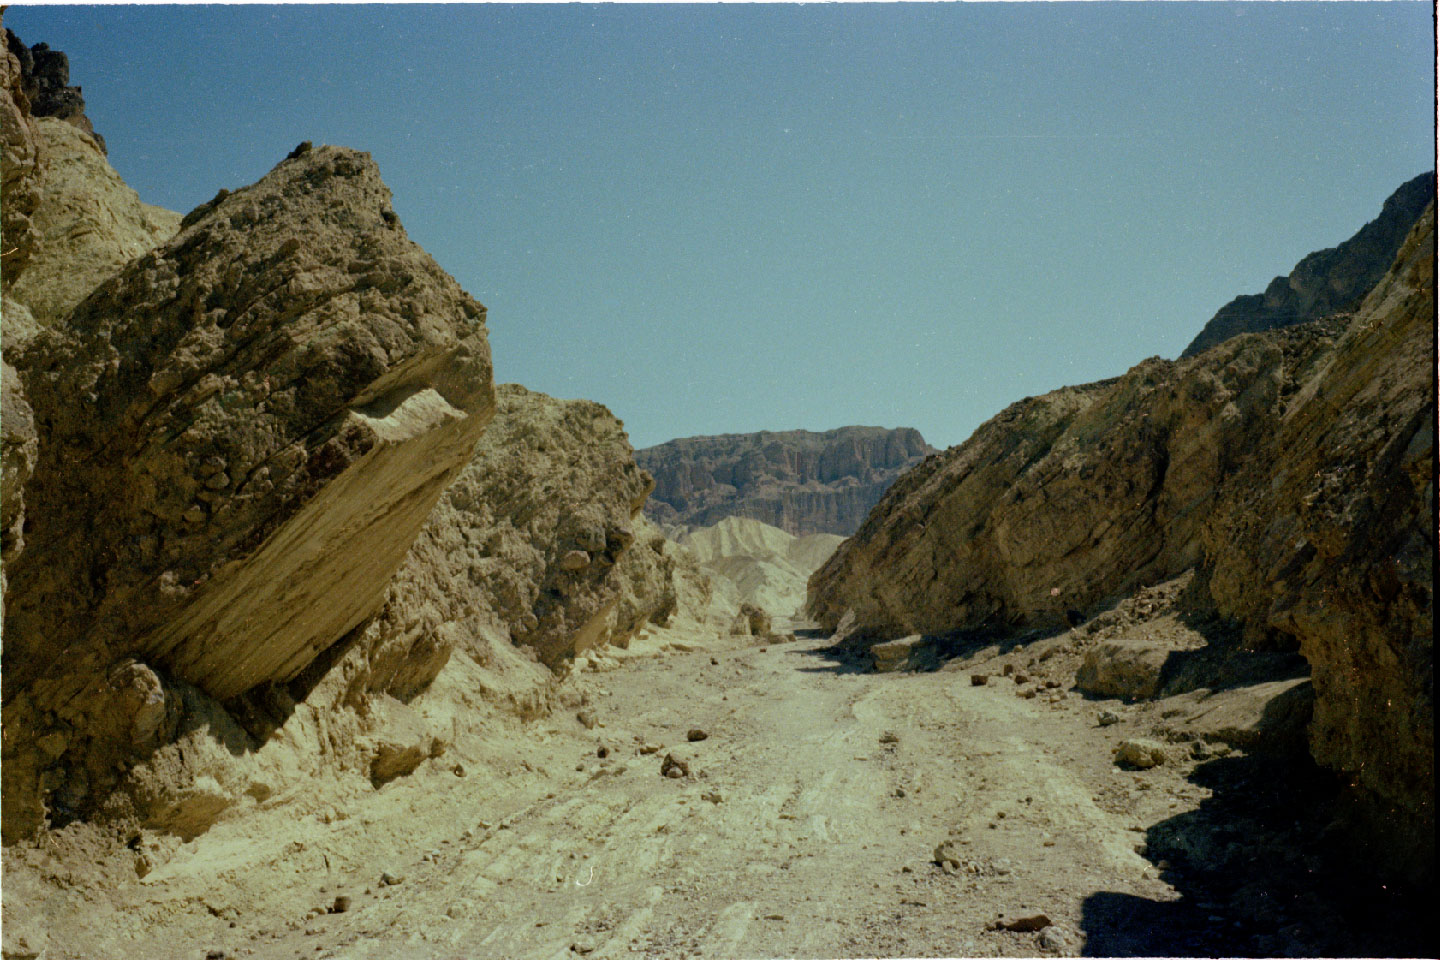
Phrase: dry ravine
(319, 642)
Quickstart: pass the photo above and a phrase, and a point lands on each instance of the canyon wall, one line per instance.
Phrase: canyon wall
(799, 481)
(1295, 468)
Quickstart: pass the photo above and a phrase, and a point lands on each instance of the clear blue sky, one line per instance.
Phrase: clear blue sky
(718, 219)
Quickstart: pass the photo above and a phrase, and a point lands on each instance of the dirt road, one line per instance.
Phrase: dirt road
(808, 827)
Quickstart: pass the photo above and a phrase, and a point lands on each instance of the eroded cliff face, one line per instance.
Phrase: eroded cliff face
(798, 481)
(19, 168)
(1327, 535)
(1067, 499)
(1328, 281)
(89, 224)
(240, 435)
(1293, 468)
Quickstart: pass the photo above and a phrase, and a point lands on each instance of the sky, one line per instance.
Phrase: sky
(729, 218)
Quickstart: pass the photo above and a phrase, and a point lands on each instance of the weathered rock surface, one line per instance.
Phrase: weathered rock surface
(549, 479)
(1294, 468)
(19, 167)
(1067, 499)
(20, 449)
(241, 434)
(799, 481)
(1327, 535)
(1328, 281)
(89, 224)
(45, 78)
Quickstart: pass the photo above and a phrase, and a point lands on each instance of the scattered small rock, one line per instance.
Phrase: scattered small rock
(696, 735)
(889, 736)
(1108, 717)
(602, 751)
(1140, 754)
(1021, 677)
(582, 947)
(1024, 924)
(1058, 938)
(341, 904)
(458, 770)
(774, 916)
(673, 768)
(649, 748)
(1009, 669)
(391, 879)
(587, 719)
(714, 662)
(714, 797)
(978, 679)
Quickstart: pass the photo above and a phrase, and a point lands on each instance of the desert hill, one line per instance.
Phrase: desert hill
(797, 480)
(768, 566)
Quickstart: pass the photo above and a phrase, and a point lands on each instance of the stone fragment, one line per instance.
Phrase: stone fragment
(695, 735)
(674, 768)
(895, 654)
(1140, 754)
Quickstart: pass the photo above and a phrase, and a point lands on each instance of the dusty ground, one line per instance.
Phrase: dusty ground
(807, 828)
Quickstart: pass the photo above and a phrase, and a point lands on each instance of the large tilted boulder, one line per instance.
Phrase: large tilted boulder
(89, 224)
(1327, 535)
(241, 434)
(525, 545)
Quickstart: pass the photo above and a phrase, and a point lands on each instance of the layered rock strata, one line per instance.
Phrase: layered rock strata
(798, 481)
(1328, 281)
(241, 434)
(1327, 535)
(1294, 468)
(526, 546)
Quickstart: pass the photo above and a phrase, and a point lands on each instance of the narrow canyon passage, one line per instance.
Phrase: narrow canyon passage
(808, 828)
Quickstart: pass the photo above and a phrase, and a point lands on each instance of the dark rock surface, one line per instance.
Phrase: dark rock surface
(799, 481)
(45, 78)
(1328, 281)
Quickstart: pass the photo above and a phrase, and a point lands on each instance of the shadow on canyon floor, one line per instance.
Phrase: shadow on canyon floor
(1259, 873)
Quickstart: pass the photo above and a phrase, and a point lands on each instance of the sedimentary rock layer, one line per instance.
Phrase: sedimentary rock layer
(798, 481)
(525, 545)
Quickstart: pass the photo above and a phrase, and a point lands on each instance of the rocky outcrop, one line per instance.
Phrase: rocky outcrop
(798, 481)
(1327, 535)
(1326, 282)
(1068, 499)
(45, 78)
(525, 546)
(19, 168)
(1293, 468)
(241, 434)
(89, 224)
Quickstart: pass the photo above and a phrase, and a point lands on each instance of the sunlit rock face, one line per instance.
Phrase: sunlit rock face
(796, 480)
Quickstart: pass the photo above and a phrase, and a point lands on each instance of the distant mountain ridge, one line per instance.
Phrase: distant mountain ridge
(1328, 281)
(800, 481)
